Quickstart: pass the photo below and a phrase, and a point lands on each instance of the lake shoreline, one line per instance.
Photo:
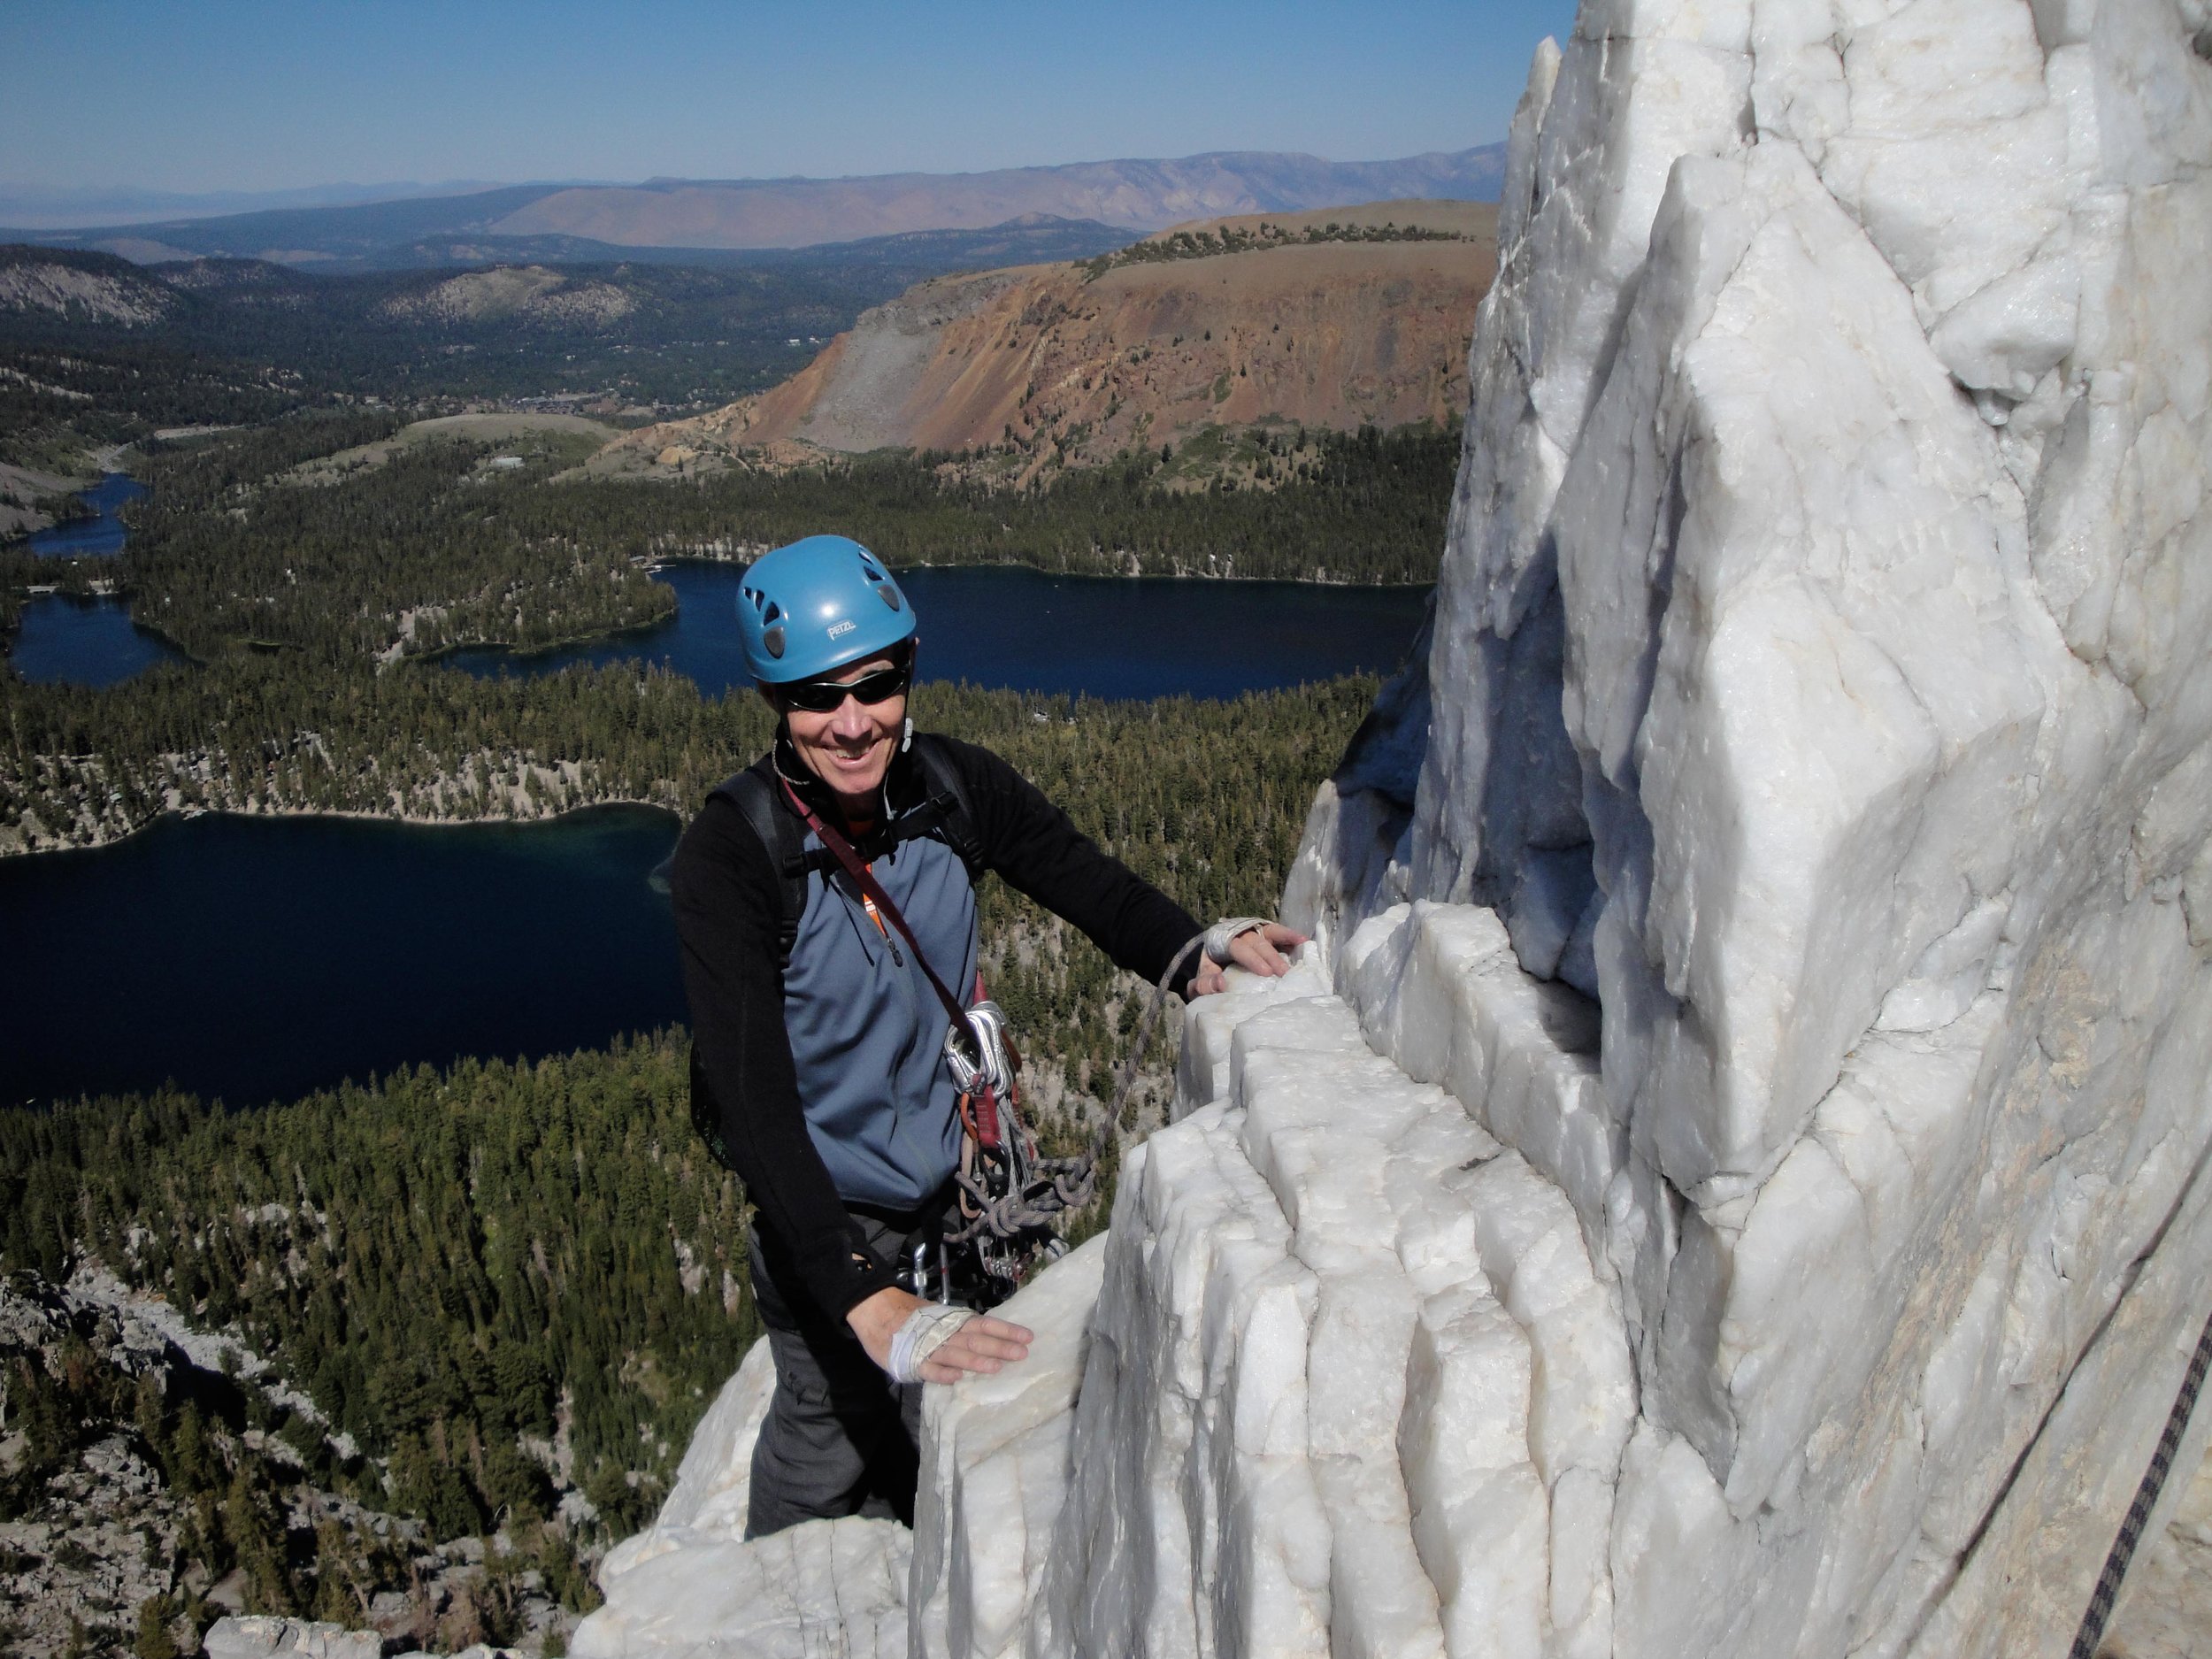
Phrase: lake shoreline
(101, 837)
(711, 557)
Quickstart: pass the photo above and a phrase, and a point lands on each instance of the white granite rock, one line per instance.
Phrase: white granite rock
(1725, 1180)
(1820, 645)
(824, 1590)
(265, 1636)
(690, 1587)
(709, 1502)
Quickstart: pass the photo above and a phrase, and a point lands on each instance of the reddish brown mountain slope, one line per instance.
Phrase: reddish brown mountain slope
(1066, 366)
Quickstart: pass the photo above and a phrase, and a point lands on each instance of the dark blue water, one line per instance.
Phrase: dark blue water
(1108, 637)
(259, 959)
(83, 643)
(103, 536)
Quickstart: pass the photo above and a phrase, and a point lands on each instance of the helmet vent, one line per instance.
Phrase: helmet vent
(773, 612)
(773, 640)
(759, 599)
(887, 593)
(868, 569)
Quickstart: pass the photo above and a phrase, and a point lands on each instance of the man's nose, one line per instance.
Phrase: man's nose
(851, 719)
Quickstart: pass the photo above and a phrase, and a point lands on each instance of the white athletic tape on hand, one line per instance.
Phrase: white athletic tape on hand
(928, 1328)
(1221, 933)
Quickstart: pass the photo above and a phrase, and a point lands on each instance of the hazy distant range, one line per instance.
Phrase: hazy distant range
(602, 221)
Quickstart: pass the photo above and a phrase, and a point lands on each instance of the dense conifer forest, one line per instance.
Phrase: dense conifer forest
(1366, 506)
(256, 541)
(234, 548)
(434, 548)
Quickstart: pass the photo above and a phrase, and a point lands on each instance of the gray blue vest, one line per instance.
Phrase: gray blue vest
(867, 1033)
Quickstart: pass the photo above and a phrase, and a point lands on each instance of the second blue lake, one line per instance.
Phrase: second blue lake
(1099, 636)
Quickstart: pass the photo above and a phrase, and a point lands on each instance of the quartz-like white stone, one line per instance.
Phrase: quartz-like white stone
(265, 1636)
(691, 1587)
(1727, 1178)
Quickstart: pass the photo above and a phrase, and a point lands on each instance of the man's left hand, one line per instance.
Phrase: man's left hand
(1262, 950)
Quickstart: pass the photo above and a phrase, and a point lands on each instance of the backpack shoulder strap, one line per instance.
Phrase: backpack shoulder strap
(753, 792)
(948, 795)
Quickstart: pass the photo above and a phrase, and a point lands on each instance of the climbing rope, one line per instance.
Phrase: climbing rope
(2139, 1515)
(1057, 1186)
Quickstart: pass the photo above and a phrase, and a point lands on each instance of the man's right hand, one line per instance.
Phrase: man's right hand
(983, 1344)
(1266, 950)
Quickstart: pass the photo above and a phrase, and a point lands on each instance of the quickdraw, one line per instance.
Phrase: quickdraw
(1000, 1169)
(1020, 1216)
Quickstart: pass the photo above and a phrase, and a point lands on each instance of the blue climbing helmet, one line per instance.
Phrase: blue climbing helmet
(816, 605)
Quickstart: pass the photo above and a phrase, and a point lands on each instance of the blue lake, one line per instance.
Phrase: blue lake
(1104, 636)
(259, 959)
(101, 536)
(64, 641)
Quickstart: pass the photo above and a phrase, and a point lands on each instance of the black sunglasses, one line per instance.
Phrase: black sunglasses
(826, 697)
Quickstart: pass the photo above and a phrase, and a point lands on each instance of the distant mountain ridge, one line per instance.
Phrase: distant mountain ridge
(701, 217)
(1144, 194)
(64, 209)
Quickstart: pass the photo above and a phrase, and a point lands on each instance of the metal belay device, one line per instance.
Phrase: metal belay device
(1012, 1198)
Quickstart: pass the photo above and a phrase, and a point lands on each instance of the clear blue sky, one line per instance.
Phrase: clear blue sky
(239, 95)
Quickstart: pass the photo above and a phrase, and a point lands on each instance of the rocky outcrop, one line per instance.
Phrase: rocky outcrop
(1728, 1180)
(1063, 362)
(691, 1584)
(530, 294)
(80, 287)
(265, 1636)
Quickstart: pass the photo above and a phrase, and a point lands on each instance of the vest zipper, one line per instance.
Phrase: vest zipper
(875, 916)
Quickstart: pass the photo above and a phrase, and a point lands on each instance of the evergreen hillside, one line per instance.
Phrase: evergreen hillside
(239, 547)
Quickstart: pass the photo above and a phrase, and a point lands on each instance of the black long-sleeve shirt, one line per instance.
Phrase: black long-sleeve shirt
(729, 912)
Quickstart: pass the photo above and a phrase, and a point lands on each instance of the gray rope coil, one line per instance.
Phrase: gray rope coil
(1060, 1185)
(2122, 1552)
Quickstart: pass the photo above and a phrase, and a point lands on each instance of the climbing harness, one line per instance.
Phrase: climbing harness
(2139, 1515)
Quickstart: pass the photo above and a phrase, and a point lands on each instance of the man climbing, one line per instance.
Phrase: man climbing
(819, 1015)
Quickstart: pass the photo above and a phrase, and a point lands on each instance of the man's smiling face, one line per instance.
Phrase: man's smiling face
(850, 747)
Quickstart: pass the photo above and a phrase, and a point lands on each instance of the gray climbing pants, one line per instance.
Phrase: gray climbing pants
(839, 1437)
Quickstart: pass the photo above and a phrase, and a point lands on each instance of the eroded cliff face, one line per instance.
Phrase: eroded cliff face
(1076, 367)
(1727, 1180)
